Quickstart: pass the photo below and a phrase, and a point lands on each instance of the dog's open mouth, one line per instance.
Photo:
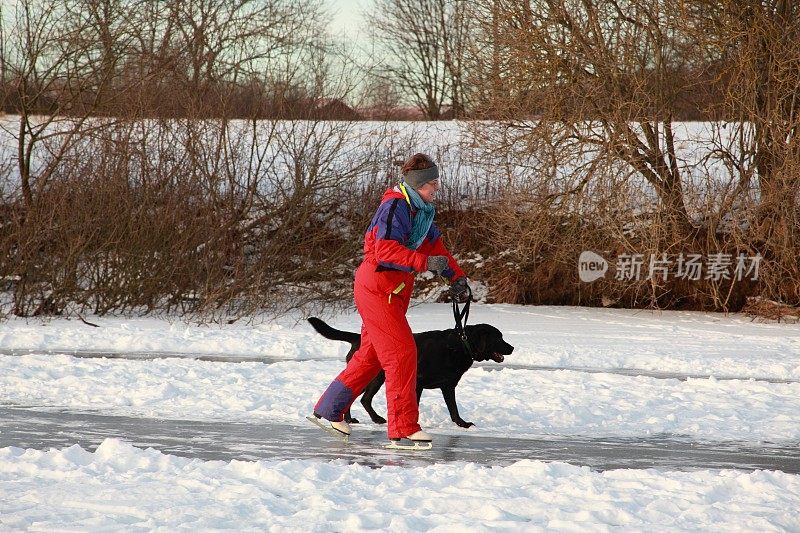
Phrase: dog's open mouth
(498, 357)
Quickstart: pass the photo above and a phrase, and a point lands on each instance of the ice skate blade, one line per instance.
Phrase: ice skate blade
(415, 447)
(338, 434)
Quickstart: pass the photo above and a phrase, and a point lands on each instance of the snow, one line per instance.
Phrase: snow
(730, 398)
(541, 403)
(119, 486)
(668, 341)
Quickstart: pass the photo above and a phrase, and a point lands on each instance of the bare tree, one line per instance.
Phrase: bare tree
(49, 77)
(601, 78)
(3, 72)
(758, 63)
(425, 44)
(380, 97)
(592, 92)
(121, 206)
(761, 64)
(232, 39)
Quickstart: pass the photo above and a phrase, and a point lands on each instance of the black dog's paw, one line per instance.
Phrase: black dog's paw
(351, 420)
(464, 424)
(378, 419)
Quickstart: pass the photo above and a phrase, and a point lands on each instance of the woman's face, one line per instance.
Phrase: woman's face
(427, 191)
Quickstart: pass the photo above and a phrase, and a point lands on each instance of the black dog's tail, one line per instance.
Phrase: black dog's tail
(334, 334)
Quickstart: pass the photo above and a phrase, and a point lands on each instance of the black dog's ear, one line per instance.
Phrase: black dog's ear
(477, 340)
(476, 336)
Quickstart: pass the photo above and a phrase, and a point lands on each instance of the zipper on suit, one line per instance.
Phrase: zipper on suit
(397, 290)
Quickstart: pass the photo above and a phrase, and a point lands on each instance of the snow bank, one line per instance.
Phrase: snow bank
(119, 486)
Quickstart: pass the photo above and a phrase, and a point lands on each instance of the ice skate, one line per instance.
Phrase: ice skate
(337, 429)
(419, 440)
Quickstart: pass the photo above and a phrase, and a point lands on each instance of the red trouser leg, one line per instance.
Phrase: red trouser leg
(350, 383)
(385, 323)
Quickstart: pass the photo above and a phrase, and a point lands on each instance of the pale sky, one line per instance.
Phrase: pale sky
(347, 16)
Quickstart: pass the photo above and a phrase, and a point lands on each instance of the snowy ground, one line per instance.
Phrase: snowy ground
(582, 373)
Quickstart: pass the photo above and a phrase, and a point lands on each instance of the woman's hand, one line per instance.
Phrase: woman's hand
(459, 290)
(437, 264)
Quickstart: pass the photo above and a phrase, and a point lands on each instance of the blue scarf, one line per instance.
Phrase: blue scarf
(422, 219)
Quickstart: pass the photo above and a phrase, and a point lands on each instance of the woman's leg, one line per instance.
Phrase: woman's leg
(350, 383)
(397, 352)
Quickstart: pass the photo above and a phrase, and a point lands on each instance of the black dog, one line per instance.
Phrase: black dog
(442, 358)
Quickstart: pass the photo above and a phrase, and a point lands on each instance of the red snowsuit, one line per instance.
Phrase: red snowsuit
(383, 286)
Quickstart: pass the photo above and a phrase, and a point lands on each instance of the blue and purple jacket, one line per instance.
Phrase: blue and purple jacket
(386, 240)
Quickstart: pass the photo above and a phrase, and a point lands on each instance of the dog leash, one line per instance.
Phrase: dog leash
(461, 316)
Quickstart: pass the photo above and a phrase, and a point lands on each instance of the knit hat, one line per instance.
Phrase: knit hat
(418, 178)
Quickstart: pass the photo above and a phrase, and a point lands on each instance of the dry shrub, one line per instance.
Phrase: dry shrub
(532, 237)
(763, 309)
(204, 217)
(531, 252)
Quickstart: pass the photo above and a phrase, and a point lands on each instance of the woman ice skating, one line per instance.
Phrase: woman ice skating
(402, 239)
